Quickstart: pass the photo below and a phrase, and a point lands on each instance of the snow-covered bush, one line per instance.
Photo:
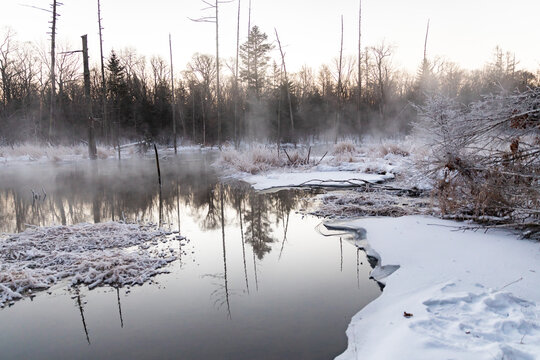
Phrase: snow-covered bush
(257, 159)
(344, 147)
(485, 158)
(93, 254)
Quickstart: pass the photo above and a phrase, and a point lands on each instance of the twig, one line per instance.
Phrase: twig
(513, 282)
(288, 157)
(321, 159)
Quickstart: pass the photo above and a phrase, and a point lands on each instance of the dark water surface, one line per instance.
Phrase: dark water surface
(255, 281)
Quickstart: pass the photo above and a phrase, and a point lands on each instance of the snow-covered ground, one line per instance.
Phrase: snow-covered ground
(344, 164)
(471, 295)
(334, 178)
(93, 254)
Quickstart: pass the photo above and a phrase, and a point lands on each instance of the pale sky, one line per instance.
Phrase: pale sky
(464, 31)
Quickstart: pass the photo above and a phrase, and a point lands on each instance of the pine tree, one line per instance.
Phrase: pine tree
(255, 57)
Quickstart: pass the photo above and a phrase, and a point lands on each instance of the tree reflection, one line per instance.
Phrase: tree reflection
(103, 191)
(258, 231)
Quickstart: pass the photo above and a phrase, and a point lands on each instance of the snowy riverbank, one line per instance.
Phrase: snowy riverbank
(449, 294)
(472, 295)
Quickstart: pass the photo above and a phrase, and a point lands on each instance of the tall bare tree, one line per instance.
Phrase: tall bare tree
(286, 84)
(358, 109)
(172, 95)
(53, 57)
(339, 85)
(215, 19)
(236, 77)
(103, 82)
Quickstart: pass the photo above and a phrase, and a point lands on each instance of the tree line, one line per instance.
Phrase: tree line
(262, 101)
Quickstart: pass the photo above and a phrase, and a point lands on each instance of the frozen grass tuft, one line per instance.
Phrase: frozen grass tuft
(255, 160)
(93, 254)
(344, 147)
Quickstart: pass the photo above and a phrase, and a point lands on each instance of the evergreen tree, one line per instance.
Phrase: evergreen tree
(255, 57)
(117, 89)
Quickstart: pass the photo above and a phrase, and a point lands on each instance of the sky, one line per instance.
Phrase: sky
(463, 31)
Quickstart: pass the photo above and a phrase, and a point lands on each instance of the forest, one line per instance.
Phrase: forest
(135, 96)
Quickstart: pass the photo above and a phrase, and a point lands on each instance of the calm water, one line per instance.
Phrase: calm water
(256, 280)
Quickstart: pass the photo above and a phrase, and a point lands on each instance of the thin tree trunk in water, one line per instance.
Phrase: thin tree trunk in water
(173, 102)
(159, 181)
(203, 122)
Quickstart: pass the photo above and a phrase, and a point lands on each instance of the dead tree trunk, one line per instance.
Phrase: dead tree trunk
(218, 90)
(236, 78)
(339, 85)
(286, 86)
(92, 151)
(172, 91)
(53, 79)
(359, 115)
(105, 124)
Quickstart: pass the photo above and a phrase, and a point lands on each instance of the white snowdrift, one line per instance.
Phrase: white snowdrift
(472, 295)
(92, 254)
(312, 178)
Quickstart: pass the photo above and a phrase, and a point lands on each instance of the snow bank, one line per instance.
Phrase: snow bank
(312, 178)
(366, 162)
(92, 254)
(472, 295)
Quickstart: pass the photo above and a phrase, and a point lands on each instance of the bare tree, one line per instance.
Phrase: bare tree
(236, 77)
(381, 53)
(172, 95)
(286, 85)
(53, 57)
(339, 86)
(215, 19)
(359, 100)
(7, 69)
(103, 82)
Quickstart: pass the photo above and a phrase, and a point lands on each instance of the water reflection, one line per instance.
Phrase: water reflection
(254, 280)
(99, 192)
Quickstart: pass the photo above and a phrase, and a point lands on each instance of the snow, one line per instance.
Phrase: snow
(110, 253)
(472, 295)
(347, 164)
(277, 179)
(449, 293)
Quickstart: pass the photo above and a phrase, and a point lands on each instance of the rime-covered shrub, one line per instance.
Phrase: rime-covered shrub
(257, 159)
(485, 157)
